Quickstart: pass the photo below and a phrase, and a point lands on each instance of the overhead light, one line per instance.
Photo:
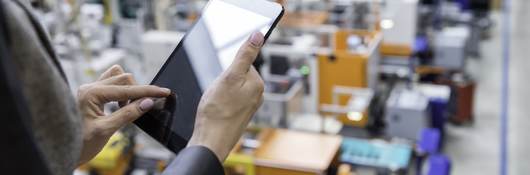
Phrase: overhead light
(355, 116)
(387, 24)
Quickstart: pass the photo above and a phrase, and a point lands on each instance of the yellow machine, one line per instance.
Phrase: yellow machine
(349, 67)
(114, 158)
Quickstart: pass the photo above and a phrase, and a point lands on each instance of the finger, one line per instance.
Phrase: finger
(253, 75)
(112, 71)
(247, 54)
(128, 114)
(105, 94)
(122, 79)
(254, 82)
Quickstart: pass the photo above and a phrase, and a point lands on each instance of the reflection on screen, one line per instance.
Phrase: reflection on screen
(228, 35)
(215, 39)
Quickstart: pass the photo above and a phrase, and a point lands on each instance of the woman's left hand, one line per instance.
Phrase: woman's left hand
(113, 86)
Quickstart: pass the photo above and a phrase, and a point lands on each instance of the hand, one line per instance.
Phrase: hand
(114, 85)
(227, 107)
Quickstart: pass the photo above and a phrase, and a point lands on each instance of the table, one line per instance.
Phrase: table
(295, 153)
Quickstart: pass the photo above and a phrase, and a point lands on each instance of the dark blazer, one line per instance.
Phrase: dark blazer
(49, 134)
(195, 161)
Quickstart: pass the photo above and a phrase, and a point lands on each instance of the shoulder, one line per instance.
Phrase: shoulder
(54, 116)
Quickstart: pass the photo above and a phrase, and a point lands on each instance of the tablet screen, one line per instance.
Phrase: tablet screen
(208, 49)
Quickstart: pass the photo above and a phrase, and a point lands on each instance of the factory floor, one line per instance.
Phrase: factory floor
(475, 148)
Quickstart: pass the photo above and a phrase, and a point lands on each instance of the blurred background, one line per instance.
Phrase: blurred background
(353, 87)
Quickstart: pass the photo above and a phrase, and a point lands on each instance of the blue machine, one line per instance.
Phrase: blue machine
(438, 96)
(439, 165)
(429, 141)
(439, 113)
(381, 155)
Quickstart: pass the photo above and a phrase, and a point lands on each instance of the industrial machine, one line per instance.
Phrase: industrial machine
(355, 112)
(392, 158)
(399, 23)
(439, 97)
(407, 113)
(354, 63)
(450, 48)
(282, 100)
(114, 157)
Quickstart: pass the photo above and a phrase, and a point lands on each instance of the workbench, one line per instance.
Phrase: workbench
(285, 152)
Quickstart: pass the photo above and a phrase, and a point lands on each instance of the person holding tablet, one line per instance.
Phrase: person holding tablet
(68, 131)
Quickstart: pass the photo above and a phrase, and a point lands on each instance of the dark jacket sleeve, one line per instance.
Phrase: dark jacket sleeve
(195, 160)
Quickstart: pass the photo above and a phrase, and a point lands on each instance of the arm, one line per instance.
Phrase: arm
(223, 114)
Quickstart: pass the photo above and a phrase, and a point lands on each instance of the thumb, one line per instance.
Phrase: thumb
(129, 113)
(247, 54)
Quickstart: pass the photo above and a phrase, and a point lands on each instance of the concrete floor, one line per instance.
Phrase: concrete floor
(475, 149)
(519, 138)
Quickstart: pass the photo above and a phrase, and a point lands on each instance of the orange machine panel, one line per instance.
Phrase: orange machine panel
(342, 69)
(395, 50)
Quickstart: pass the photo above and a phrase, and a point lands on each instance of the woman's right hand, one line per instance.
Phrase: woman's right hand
(114, 86)
(227, 107)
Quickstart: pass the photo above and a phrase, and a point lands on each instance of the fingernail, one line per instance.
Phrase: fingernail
(166, 90)
(147, 104)
(257, 39)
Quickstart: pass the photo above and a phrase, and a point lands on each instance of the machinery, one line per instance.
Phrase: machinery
(399, 23)
(114, 157)
(337, 67)
(407, 113)
(450, 48)
(354, 63)
(282, 101)
(386, 156)
(355, 112)
(438, 96)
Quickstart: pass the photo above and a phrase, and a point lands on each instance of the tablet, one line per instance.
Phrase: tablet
(205, 52)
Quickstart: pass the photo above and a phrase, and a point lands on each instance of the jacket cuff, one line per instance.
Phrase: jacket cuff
(195, 160)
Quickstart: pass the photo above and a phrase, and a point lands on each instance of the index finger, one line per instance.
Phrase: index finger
(111, 93)
(247, 54)
(112, 71)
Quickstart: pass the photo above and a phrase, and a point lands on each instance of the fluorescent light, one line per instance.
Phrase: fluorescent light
(387, 24)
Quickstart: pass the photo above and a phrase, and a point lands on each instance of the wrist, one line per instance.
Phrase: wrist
(220, 152)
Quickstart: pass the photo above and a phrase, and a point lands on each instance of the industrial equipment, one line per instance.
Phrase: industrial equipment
(354, 63)
(392, 157)
(114, 157)
(282, 99)
(450, 48)
(398, 24)
(407, 113)
(355, 112)
(438, 96)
